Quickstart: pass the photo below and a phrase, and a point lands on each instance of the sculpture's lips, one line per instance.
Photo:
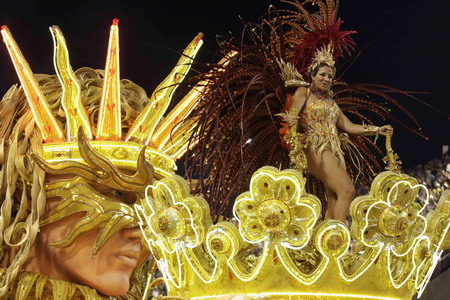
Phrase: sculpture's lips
(129, 257)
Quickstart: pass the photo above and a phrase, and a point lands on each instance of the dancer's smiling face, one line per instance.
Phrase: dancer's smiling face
(322, 78)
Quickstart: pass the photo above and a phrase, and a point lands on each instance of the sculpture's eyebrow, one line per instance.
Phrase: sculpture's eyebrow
(99, 169)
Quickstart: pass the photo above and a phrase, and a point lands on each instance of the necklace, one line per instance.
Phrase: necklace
(322, 95)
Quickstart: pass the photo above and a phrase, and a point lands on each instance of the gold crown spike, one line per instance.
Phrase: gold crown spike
(43, 116)
(179, 142)
(109, 122)
(171, 122)
(164, 135)
(144, 126)
(76, 115)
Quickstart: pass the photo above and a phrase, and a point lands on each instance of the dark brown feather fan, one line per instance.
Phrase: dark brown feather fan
(237, 130)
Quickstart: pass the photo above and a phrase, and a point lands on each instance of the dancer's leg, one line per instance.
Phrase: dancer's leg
(331, 199)
(332, 173)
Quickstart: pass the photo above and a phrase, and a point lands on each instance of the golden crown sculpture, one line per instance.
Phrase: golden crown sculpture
(277, 248)
(165, 138)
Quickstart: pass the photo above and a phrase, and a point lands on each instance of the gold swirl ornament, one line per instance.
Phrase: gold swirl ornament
(332, 238)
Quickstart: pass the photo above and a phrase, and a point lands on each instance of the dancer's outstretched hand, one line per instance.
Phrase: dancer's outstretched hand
(386, 129)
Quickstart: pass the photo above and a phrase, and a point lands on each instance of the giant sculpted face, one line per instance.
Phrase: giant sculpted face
(107, 269)
(89, 232)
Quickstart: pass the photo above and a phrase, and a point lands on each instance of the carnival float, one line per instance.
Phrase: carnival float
(248, 217)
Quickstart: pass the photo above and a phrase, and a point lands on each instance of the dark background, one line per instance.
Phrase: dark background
(403, 44)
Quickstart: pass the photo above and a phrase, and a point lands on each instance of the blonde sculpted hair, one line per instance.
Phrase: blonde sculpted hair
(22, 195)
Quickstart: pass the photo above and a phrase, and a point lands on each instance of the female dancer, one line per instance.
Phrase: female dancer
(238, 131)
(320, 117)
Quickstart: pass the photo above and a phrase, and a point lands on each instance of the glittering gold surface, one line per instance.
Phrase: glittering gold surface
(76, 115)
(280, 250)
(144, 126)
(109, 123)
(44, 118)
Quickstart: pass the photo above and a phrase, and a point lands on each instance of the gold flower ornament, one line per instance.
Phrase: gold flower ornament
(277, 209)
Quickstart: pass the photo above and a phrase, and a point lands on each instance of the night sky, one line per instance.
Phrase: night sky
(403, 44)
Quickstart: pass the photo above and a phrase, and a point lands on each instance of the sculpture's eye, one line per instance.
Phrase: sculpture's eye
(118, 194)
(122, 196)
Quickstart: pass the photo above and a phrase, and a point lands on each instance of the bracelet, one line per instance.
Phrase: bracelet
(371, 129)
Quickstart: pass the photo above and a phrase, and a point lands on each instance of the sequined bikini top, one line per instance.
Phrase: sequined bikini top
(320, 117)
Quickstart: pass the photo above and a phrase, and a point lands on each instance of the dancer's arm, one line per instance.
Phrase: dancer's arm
(300, 96)
(344, 124)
